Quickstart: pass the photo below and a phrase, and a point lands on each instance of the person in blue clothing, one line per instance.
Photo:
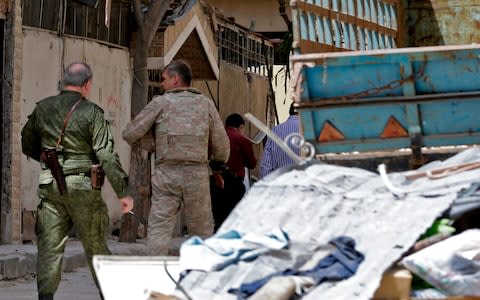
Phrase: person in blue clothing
(273, 156)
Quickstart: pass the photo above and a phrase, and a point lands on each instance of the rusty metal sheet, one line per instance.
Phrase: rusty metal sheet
(315, 203)
(443, 22)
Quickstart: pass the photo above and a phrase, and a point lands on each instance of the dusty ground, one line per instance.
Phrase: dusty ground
(76, 285)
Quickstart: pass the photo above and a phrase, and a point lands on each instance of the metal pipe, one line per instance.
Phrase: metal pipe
(274, 138)
(342, 102)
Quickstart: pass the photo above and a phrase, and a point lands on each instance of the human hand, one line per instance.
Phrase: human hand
(219, 181)
(126, 204)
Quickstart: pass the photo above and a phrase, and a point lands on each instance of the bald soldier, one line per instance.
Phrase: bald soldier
(185, 123)
(68, 134)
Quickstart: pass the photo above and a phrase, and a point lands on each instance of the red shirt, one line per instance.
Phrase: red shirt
(241, 153)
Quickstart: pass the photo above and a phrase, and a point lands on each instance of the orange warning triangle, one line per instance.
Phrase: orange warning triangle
(393, 129)
(329, 133)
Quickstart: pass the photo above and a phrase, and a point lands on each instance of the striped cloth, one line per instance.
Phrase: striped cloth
(273, 156)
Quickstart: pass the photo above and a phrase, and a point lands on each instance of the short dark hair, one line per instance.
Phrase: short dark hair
(77, 74)
(234, 120)
(291, 110)
(181, 68)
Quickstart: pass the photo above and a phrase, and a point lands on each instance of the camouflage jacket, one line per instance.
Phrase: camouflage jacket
(186, 123)
(87, 138)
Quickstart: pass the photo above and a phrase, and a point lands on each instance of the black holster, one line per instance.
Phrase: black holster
(50, 158)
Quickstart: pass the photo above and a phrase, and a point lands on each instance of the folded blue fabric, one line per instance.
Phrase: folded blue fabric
(221, 250)
(340, 264)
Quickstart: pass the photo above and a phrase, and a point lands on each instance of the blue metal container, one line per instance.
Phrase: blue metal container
(432, 93)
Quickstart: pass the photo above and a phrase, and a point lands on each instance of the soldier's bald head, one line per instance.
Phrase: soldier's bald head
(77, 74)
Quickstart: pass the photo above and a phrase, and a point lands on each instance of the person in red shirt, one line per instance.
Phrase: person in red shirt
(241, 157)
(241, 150)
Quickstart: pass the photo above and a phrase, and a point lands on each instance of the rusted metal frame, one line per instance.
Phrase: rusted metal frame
(306, 8)
(348, 142)
(108, 33)
(242, 51)
(236, 47)
(74, 20)
(296, 26)
(368, 25)
(61, 17)
(419, 99)
(392, 2)
(401, 39)
(355, 26)
(313, 47)
(238, 28)
(119, 23)
(241, 47)
(98, 22)
(320, 11)
(41, 14)
(328, 28)
(412, 111)
(86, 22)
(230, 39)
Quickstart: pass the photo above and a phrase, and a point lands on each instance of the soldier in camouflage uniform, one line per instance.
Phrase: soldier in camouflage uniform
(87, 139)
(185, 122)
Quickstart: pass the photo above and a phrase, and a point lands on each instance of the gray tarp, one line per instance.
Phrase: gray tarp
(316, 203)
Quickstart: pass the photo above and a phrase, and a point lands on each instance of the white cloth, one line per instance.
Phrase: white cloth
(227, 248)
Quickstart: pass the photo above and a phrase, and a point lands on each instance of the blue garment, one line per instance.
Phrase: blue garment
(227, 248)
(273, 156)
(340, 264)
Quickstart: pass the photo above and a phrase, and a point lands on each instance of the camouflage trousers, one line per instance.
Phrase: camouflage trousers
(175, 185)
(82, 208)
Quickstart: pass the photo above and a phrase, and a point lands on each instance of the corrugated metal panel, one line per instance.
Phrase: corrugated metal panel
(327, 26)
(319, 202)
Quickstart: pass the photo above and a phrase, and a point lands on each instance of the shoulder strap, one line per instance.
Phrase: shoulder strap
(65, 121)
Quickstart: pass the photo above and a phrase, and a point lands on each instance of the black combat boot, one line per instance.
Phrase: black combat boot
(45, 297)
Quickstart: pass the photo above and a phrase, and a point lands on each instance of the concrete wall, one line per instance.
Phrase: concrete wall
(44, 56)
(239, 91)
(263, 12)
(11, 208)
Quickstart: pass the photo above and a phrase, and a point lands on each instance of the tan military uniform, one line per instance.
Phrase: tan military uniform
(185, 122)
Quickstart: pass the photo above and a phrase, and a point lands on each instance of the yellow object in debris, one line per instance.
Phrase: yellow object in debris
(395, 285)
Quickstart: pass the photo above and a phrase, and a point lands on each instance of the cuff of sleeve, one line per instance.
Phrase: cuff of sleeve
(125, 190)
